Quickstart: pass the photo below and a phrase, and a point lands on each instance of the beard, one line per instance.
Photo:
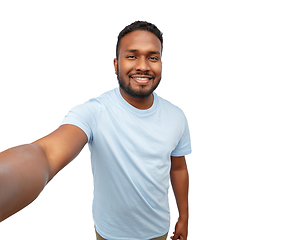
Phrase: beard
(140, 93)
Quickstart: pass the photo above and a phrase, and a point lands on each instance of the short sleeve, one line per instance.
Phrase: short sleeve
(84, 116)
(184, 145)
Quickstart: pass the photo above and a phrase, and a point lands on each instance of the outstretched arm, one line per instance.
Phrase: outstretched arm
(25, 170)
(180, 183)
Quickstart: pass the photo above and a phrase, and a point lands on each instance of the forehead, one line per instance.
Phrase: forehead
(143, 41)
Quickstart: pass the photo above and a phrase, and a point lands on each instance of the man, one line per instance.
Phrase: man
(138, 141)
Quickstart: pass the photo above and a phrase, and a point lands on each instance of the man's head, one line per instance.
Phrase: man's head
(138, 59)
(139, 25)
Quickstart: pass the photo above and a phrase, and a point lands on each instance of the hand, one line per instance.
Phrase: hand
(181, 230)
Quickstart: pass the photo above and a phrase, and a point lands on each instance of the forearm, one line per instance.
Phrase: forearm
(180, 184)
(24, 172)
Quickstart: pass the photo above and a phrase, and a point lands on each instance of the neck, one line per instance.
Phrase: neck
(139, 103)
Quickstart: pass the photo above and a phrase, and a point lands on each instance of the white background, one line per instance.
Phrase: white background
(237, 69)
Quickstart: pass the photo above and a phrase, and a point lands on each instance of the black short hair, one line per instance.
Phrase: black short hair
(139, 25)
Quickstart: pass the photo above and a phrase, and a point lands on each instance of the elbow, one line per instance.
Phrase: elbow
(47, 173)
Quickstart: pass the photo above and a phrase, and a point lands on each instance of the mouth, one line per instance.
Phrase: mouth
(141, 80)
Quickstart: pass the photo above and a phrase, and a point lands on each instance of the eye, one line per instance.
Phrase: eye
(131, 57)
(153, 59)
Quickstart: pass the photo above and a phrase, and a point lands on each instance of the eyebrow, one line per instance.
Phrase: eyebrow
(131, 50)
(154, 52)
(135, 50)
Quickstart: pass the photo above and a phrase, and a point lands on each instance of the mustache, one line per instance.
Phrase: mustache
(142, 74)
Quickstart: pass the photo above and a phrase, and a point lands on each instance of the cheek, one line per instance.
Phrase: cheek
(123, 69)
(127, 64)
(157, 70)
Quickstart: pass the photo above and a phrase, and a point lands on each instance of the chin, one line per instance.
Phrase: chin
(137, 91)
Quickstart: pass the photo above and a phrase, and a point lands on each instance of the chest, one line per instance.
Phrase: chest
(154, 135)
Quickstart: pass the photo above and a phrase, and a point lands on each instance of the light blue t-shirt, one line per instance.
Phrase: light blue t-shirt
(130, 154)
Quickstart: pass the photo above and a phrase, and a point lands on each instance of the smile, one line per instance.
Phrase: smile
(141, 80)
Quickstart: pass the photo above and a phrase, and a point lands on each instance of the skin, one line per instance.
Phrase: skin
(180, 183)
(25, 170)
(139, 56)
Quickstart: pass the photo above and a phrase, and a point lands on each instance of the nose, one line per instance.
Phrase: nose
(142, 64)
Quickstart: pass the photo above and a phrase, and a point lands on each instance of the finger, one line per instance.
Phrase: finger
(172, 237)
(180, 237)
(176, 236)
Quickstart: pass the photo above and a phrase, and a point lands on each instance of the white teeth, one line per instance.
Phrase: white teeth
(143, 79)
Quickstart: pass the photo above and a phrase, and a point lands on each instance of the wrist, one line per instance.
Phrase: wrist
(183, 218)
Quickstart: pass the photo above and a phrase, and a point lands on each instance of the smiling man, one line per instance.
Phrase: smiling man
(138, 142)
(138, 66)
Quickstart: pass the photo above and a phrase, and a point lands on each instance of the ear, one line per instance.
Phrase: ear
(115, 65)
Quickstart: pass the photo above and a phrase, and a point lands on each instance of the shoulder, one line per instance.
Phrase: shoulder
(87, 115)
(97, 104)
(170, 107)
(91, 110)
(102, 99)
(107, 96)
